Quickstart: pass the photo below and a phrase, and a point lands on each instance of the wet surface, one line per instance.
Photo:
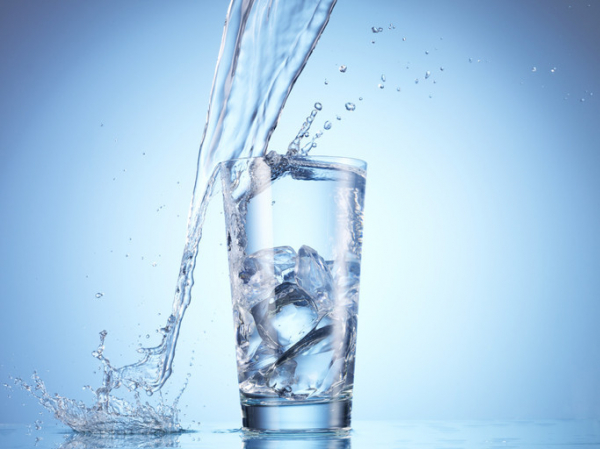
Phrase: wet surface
(365, 434)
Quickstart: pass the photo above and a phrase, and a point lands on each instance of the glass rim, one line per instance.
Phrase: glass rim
(352, 161)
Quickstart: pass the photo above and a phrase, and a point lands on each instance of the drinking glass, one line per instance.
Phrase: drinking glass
(294, 240)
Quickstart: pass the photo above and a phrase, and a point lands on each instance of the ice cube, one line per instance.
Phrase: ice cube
(247, 336)
(285, 318)
(256, 284)
(313, 275)
(281, 378)
(322, 361)
(310, 359)
(278, 262)
(263, 270)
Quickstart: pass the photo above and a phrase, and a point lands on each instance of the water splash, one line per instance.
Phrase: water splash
(296, 147)
(110, 414)
(265, 46)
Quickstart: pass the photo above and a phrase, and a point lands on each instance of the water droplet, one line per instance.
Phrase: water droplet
(318, 106)
(553, 69)
(327, 125)
(338, 117)
(359, 98)
(403, 39)
(383, 78)
(343, 68)
(582, 100)
(350, 106)
(391, 27)
(427, 74)
(470, 59)
(326, 82)
(398, 89)
(99, 295)
(417, 81)
(372, 42)
(426, 52)
(534, 69)
(147, 335)
(154, 264)
(381, 86)
(376, 30)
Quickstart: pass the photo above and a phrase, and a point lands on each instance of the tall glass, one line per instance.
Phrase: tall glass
(294, 237)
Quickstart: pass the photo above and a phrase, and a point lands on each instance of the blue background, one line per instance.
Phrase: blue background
(480, 291)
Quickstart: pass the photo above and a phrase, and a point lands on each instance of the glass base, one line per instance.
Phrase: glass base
(324, 417)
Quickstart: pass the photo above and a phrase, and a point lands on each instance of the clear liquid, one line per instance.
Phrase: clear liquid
(265, 46)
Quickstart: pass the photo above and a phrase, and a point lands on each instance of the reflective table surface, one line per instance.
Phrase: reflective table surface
(365, 434)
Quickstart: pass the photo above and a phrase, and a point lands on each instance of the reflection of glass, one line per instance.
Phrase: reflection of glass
(120, 441)
(294, 235)
(298, 442)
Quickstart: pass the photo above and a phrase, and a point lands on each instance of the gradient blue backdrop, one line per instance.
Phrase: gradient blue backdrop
(481, 290)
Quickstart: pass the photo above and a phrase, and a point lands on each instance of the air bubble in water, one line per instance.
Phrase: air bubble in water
(427, 74)
(403, 39)
(392, 27)
(343, 68)
(326, 82)
(318, 106)
(426, 52)
(359, 98)
(534, 69)
(381, 86)
(383, 78)
(338, 117)
(398, 89)
(99, 295)
(553, 69)
(441, 69)
(327, 125)
(417, 81)
(350, 106)
(376, 30)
